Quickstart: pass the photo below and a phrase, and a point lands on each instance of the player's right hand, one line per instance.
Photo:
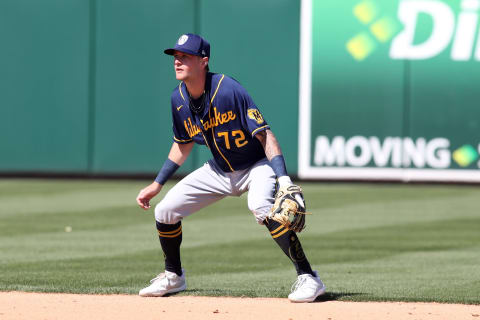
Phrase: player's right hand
(147, 193)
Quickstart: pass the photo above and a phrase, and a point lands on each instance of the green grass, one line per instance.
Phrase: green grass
(369, 242)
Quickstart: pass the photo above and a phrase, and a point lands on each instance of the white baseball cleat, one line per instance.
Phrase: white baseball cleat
(167, 282)
(307, 288)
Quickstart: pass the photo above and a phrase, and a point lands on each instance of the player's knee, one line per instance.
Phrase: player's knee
(165, 214)
(260, 210)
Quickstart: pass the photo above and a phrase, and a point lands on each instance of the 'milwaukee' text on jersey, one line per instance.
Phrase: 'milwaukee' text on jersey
(227, 125)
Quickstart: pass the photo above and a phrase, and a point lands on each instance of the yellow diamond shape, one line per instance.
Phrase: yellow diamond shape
(365, 11)
(361, 46)
(384, 29)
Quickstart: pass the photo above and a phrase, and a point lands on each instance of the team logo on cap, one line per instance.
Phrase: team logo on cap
(254, 114)
(182, 39)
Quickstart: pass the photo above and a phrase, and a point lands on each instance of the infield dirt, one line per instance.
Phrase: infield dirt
(52, 306)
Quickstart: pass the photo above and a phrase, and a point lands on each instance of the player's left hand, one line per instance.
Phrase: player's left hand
(289, 208)
(147, 193)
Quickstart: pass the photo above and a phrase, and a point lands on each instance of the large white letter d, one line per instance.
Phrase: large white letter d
(443, 25)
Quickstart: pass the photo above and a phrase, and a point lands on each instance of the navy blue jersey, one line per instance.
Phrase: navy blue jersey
(227, 125)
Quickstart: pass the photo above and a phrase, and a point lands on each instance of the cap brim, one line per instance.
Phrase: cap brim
(170, 52)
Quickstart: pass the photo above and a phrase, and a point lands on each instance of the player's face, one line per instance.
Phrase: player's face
(188, 66)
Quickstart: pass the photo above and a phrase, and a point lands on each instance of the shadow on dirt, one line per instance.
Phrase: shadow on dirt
(329, 296)
(333, 296)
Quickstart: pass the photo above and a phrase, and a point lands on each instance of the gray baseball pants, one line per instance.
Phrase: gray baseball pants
(209, 184)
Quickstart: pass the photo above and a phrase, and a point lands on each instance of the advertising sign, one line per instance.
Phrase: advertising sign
(389, 90)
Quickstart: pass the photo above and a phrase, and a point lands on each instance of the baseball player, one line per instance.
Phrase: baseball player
(216, 111)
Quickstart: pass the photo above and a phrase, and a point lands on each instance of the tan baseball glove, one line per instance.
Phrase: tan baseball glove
(289, 208)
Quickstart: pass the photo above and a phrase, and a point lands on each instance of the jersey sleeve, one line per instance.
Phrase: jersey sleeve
(180, 134)
(252, 119)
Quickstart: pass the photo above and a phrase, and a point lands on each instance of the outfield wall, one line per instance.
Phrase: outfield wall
(86, 86)
(357, 89)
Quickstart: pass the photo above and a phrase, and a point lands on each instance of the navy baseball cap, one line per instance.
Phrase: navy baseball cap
(192, 44)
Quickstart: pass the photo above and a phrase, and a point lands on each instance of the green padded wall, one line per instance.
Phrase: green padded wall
(134, 80)
(44, 85)
(86, 86)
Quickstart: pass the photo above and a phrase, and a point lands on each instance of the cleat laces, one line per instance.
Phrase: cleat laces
(300, 281)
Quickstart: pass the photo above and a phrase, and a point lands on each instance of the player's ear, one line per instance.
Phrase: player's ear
(205, 62)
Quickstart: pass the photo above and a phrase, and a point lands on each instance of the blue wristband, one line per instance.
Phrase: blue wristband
(168, 169)
(278, 166)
